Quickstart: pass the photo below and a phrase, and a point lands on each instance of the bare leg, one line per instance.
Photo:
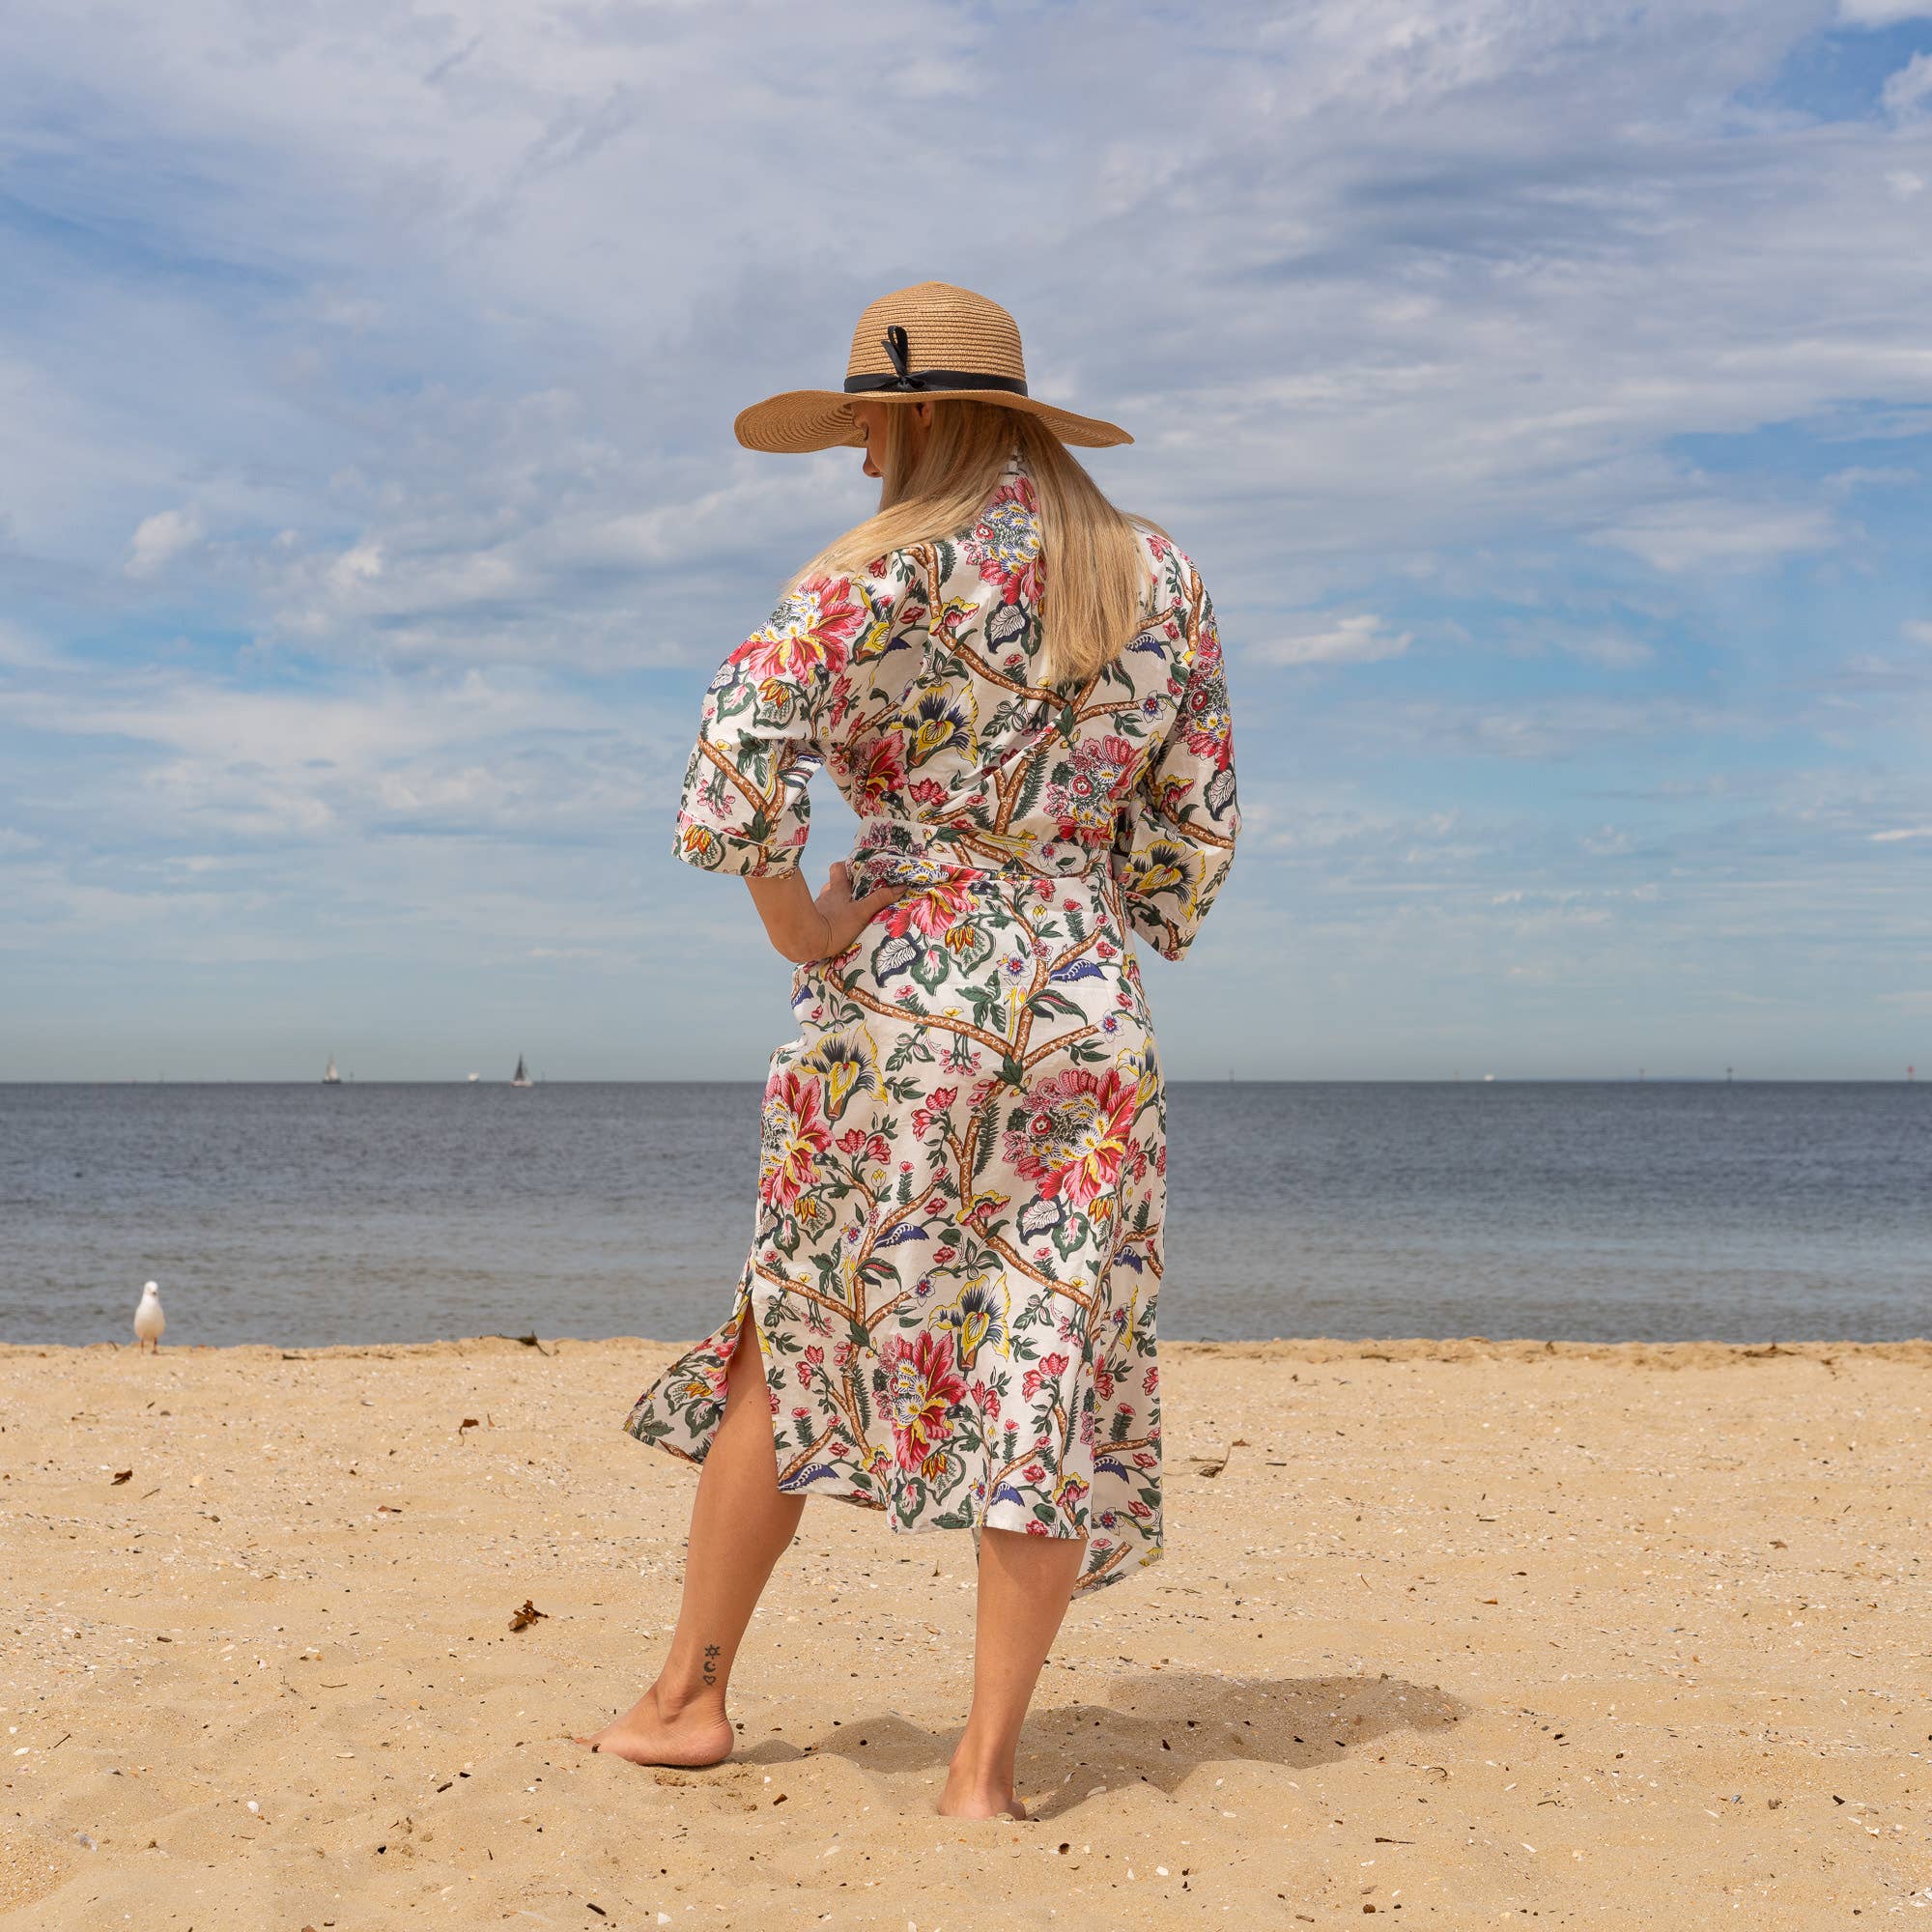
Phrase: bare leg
(1025, 1585)
(741, 1523)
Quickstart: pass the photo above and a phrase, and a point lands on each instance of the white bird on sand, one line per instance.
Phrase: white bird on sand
(149, 1320)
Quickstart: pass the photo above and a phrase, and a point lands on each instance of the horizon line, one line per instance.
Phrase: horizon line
(1643, 1079)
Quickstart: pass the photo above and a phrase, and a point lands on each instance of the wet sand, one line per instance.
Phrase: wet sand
(1456, 1632)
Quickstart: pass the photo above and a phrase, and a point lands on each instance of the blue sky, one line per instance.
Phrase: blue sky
(1543, 391)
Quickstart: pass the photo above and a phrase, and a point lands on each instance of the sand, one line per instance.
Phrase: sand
(1461, 1634)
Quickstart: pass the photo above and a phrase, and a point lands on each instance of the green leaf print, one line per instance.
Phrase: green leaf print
(931, 968)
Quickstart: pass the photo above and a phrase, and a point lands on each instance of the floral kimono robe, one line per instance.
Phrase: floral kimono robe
(959, 1232)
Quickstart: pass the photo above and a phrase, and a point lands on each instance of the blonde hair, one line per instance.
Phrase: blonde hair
(1096, 573)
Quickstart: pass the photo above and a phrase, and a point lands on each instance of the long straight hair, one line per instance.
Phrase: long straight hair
(1094, 567)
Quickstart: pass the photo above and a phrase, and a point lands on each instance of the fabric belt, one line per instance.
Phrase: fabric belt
(902, 851)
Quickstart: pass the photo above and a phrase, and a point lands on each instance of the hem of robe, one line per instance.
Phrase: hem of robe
(1113, 1568)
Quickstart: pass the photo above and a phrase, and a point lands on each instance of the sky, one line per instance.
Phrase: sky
(1543, 389)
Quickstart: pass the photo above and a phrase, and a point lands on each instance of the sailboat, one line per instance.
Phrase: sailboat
(330, 1076)
(520, 1078)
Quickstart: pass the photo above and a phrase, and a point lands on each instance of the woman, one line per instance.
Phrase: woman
(947, 1313)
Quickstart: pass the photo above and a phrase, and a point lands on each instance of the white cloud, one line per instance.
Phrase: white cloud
(1901, 831)
(1713, 533)
(1917, 629)
(1357, 639)
(160, 538)
(1905, 92)
(458, 754)
(1869, 476)
(1539, 729)
(20, 651)
(1882, 12)
(1611, 650)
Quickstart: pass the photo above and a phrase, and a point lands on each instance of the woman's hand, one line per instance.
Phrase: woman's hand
(805, 928)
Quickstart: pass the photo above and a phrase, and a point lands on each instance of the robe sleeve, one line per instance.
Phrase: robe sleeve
(770, 718)
(1174, 841)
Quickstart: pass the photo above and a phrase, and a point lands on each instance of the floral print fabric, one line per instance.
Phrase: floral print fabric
(962, 1181)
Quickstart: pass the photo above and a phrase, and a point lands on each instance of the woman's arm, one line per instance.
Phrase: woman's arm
(805, 928)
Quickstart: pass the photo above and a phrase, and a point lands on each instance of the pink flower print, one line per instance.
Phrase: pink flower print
(933, 911)
(811, 629)
(1005, 544)
(1075, 1134)
(795, 1134)
(921, 1385)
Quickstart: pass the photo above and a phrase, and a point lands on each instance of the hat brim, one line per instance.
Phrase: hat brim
(799, 420)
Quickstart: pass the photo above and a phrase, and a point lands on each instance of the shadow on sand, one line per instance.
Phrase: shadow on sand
(1158, 1727)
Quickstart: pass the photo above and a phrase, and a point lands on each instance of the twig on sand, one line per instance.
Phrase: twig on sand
(528, 1341)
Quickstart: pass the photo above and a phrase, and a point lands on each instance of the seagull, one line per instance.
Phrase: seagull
(149, 1320)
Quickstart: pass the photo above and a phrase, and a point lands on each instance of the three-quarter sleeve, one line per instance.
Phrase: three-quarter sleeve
(768, 722)
(1174, 839)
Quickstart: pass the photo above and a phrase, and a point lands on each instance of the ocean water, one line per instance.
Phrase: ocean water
(301, 1214)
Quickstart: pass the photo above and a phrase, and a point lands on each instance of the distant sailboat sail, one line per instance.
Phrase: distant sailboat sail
(330, 1076)
(520, 1078)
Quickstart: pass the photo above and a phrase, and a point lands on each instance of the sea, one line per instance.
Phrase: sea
(303, 1215)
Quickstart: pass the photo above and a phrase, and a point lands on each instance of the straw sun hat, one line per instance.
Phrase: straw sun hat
(928, 342)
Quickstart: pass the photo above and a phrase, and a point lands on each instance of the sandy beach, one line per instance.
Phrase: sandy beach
(1460, 1631)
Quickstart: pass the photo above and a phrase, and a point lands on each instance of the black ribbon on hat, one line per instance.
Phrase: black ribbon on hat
(904, 381)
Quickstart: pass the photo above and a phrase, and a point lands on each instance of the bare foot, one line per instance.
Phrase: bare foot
(967, 1795)
(648, 1734)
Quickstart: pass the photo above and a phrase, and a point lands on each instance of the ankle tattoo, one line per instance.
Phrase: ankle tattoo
(711, 1666)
